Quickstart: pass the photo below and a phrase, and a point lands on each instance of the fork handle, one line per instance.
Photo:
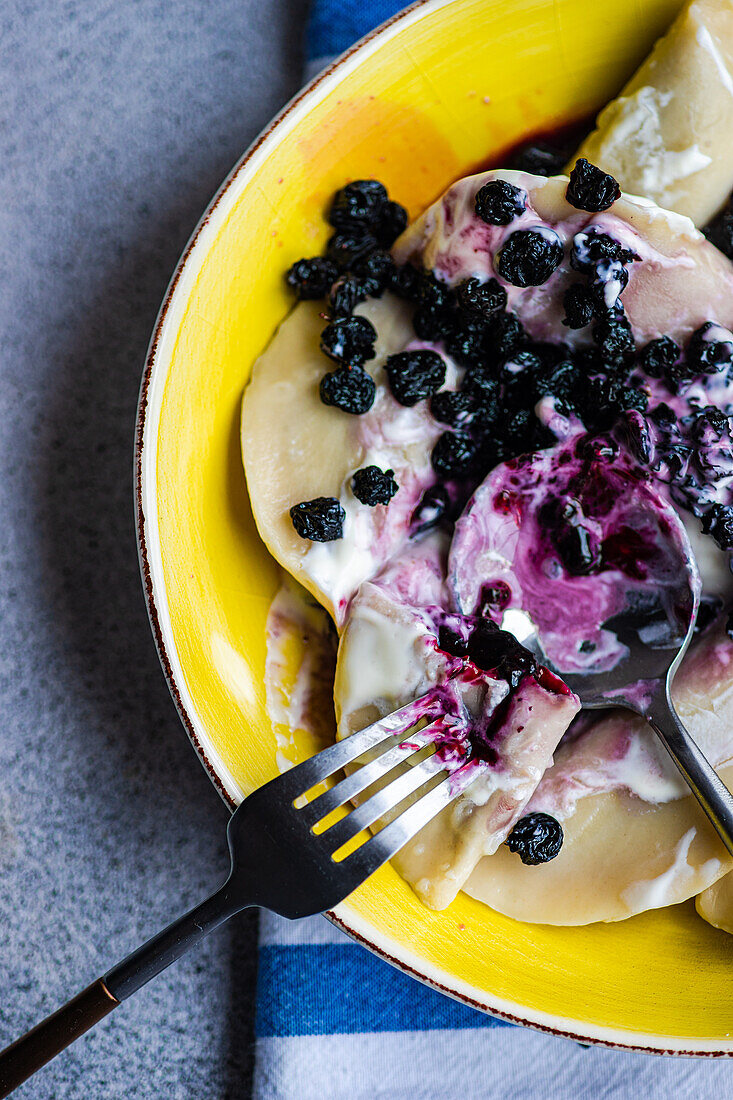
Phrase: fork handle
(52, 1035)
(706, 785)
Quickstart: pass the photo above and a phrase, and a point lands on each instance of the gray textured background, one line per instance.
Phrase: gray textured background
(118, 120)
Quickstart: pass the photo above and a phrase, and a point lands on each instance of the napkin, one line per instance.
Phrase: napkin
(334, 1022)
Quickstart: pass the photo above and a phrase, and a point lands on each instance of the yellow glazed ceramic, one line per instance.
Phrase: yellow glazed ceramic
(440, 90)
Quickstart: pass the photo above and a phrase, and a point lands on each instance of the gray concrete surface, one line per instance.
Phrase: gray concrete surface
(117, 122)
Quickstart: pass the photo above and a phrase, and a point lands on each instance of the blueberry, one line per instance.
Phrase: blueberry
(433, 506)
(376, 270)
(484, 393)
(487, 645)
(346, 294)
(346, 249)
(454, 454)
(415, 375)
(592, 247)
(580, 306)
(454, 409)
(579, 550)
(481, 299)
(521, 362)
(718, 523)
(432, 324)
(711, 421)
(348, 388)
(614, 339)
(450, 641)
(541, 158)
(506, 335)
(373, 486)
(311, 279)
(529, 257)
(405, 282)
(358, 204)
(709, 350)
(590, 188)
(536, 838)
(320, 520)
(499, 202)
(557, 380)
(468, 344)
(392, 221)
(434, 293)
(658, 356)
(349, 340)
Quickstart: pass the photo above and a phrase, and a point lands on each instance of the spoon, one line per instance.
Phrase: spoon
(592, 570)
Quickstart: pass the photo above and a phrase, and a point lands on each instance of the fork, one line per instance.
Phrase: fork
(282, 850)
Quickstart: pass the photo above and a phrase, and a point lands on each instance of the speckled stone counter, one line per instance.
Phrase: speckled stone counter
(119, 120)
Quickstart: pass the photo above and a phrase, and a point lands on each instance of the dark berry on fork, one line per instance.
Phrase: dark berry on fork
(580, 306)
(658, 356)
(346, 249)
(434, 505)
(709, 350)
(536, 838)
(349, 340)
(591, 188)
(499, 202)
(718, 523)
(373, 486)
(454, 455)
(415, 375)
(346, 294)
(456, 409)
(479, 298)
(320, 520)
(350, 389)
(528, 257)
(358, 204)
(311, 279)
(391, 222)
(376, 271)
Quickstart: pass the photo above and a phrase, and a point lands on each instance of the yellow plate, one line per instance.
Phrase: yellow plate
(439, 90)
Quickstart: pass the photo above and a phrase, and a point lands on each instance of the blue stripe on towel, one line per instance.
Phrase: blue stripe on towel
(341, 989)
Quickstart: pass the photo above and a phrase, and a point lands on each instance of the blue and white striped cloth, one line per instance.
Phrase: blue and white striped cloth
(334, 1022)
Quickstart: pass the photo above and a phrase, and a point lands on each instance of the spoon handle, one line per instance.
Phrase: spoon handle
(708, 788)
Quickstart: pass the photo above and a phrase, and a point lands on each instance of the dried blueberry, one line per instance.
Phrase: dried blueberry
(528, 257)
(710, 349)
(391, 222)
(415, 375)
(348, 388)
(506, 335)
(454, 409)
(346, 249)
(311, 279)
(541, 158)
(579, 549)
(376, 271)
(590, 188)
(484, 393)
(658, 356)
(487, 645)
(373, 486)
(557, 380)
(432, 324)
(481, 299)
(592, 247)
(454, 454)
(580, 306)
(358, 204)
(434, 505)
(536, 838)
(468, 344)
(499, 202)
(320, 520)
(614, 339)
(718, 523)
(346, 294)
(434, 293)
(711, 421)
(349, 340)
(523, 362)
(405, 282)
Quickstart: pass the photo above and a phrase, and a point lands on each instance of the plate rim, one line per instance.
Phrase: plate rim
(148, 547)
